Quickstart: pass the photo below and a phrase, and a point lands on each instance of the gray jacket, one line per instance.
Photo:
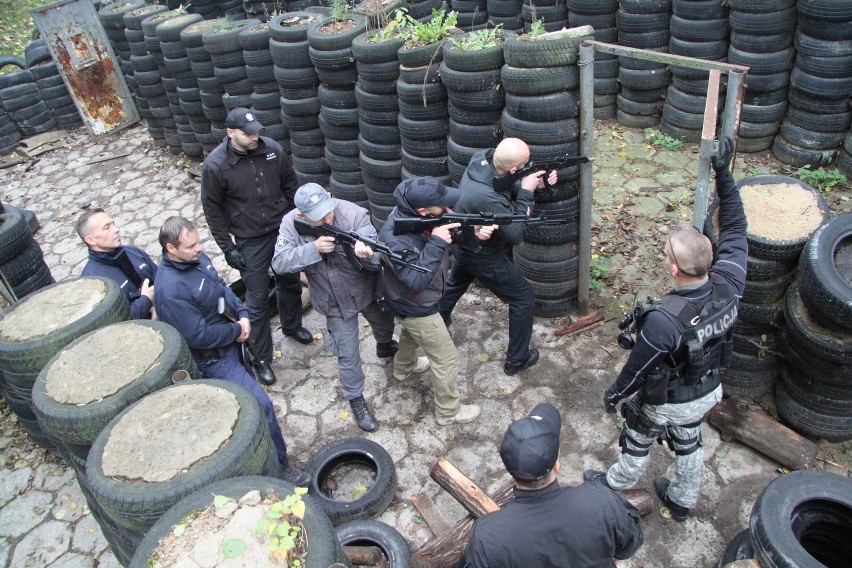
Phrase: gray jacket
(338, 289)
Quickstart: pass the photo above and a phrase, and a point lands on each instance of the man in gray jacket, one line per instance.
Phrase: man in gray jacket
(413, 296)
(339, 290)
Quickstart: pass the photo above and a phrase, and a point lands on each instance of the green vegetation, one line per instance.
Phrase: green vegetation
(598, 272)
(339, 10)
(480, 39)
(17, 26)
(536, 29)
(436, 29)
(664, 141)
(396, 26)
(822, 179)
(282, 524)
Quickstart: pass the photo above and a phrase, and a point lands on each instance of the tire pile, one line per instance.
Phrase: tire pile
(51, 86)
(801, 519)
(506, 13)
(541, 81)
(22, 102)
(551, 13)
(264, 100)
(21, 258)
(601, 16)
(472, 14)
(209, 126)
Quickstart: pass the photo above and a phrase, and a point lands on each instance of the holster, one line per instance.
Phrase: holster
(637, 421)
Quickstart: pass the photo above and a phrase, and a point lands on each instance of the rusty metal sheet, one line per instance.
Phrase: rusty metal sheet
(77, 41)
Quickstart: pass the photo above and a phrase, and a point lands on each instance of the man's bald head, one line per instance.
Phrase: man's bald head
(690, 251)
(511, 153)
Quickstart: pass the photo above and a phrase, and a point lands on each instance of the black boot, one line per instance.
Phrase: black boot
(366, 421)
(296, 476)
(263, 372)
(387, 349)
(598, 476)
(679, 512)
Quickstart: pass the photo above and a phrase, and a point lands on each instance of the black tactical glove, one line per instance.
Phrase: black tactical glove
(609, 401)
(235, 259)
(722, 160)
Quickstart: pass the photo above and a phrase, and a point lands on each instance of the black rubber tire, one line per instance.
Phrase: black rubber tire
(554, 308)
(422, 55)
(543, 108)
(553, 235)
(817, 396)
(526, 53)
(40, 278)
(393, 545)
(81, 424)
(811, 139)
(547, 272)
(469, 60)
(480, 101)
(829, 297)
(324, 549)
(292, 26)
(755, 345)
(366, 51)
(824, 345)
(805, 364)
(359, 450)
(138, 505)
(552, 132)
(812, 424)
(555, 291)
(739, 548)
(766, 291)
(540, 81)
(793, 155)
(15, 235)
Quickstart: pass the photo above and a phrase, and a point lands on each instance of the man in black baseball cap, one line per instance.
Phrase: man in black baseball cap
(548, 525)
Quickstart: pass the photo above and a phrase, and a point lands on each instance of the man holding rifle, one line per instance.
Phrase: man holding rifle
(413, 295)
(189, 295)
(340, 288)
(490, 262)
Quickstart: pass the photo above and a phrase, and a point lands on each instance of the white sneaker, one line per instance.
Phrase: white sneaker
(422, 365)
(466, 413)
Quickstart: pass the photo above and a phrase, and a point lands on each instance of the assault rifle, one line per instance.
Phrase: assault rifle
(348, 240)
(464, 234)
(506, 182)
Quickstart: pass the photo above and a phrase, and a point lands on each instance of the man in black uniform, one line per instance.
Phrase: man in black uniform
(548, 525)
(683, 342)
(247, 186)
(489, 263)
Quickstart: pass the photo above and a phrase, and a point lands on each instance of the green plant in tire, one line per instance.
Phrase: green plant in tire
(439, 27)
(536, 29)
(339, 10)
(282, 525)
(480, 39)
(820, 178)
(397, 26)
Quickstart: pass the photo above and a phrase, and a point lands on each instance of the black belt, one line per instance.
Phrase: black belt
(210, 356)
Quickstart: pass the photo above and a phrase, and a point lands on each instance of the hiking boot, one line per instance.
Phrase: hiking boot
(597, 476)
(422, 365)
(512, 368)
(466, 413)
(366, 421)
(679, 512)
(387, 349)
(295, 476)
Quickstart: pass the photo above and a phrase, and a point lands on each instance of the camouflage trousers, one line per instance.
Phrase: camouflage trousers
(685, 484)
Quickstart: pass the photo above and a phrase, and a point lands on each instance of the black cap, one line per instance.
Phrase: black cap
(243, 119)
(428, 192)
(531, 445)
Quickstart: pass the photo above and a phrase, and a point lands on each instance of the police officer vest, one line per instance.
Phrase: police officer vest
(706, 331)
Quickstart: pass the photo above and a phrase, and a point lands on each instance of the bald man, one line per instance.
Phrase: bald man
(490, 262)
(683, 342)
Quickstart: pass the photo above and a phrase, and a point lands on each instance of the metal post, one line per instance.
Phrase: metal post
(733, 108)
(705, 150)
(587, 147)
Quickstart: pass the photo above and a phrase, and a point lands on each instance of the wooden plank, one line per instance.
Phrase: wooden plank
(434, 518)
(102, 158)
(755, 428)
(460, 486)
(582, 323)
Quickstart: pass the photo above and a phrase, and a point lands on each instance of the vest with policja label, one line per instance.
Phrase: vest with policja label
(706, 330)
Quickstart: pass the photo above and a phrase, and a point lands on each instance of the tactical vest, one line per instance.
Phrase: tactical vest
(706, 331)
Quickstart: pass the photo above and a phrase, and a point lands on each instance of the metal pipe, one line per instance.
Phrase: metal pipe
(587, 148)
(733, 108)
(705, 150)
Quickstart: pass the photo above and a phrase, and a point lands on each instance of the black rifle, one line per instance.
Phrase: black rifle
(506, 182)
(348, 239)
(465, 234)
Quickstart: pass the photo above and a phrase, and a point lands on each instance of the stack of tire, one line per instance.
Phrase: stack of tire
(799, 519)
(762, 38)
(506, 13)
(472, 78)
(297, 84)
(229, 67)
(601, 16)
(207, 9)
(814, 396)
(75, 397)
(699, 30)
(844, 155)
(553, 15)
(421, 10)
(22, 101)
(818, 115)
(38, 327)
(771, 267)
(378, 131)
(169, 444)
(232, 9)
(10, 136)
(22, 260)
(541, 80)
(51, 86)
(472, 14)
(330, 51)
(145, 82)
(265, 99)
(185, 102)
(209, 127)
(423, 114)
(111, 17)
(262, 9)
(643, 24)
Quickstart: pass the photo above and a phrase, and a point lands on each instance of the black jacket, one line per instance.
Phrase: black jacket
(478, 196)
(660, 341)
(246, 195)
(106, 264)
(584, 527)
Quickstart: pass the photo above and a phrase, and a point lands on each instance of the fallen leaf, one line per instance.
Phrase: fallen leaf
(60, 514)
(318, 335)
(233, 547)
(179, 529)
(482, 357)
(344, 415)
(219, 501)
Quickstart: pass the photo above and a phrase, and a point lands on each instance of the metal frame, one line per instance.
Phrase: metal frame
(730, 127)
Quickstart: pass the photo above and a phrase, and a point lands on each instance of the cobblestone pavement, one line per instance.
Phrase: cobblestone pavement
(640, 193)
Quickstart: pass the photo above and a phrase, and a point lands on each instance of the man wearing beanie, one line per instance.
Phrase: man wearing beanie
(548, 525)
(339, 290)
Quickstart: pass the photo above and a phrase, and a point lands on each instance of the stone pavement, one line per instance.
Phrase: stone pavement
(43, 517)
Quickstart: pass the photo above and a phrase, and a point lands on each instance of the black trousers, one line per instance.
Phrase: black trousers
(258, 254)
(497, 273)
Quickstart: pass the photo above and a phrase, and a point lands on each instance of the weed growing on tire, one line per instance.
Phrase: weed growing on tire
(664, 141)
(439, 27)
(820, 178)
(480, 39)
(536, 29)
(282, 524)
(396, 26)
(339, 10)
